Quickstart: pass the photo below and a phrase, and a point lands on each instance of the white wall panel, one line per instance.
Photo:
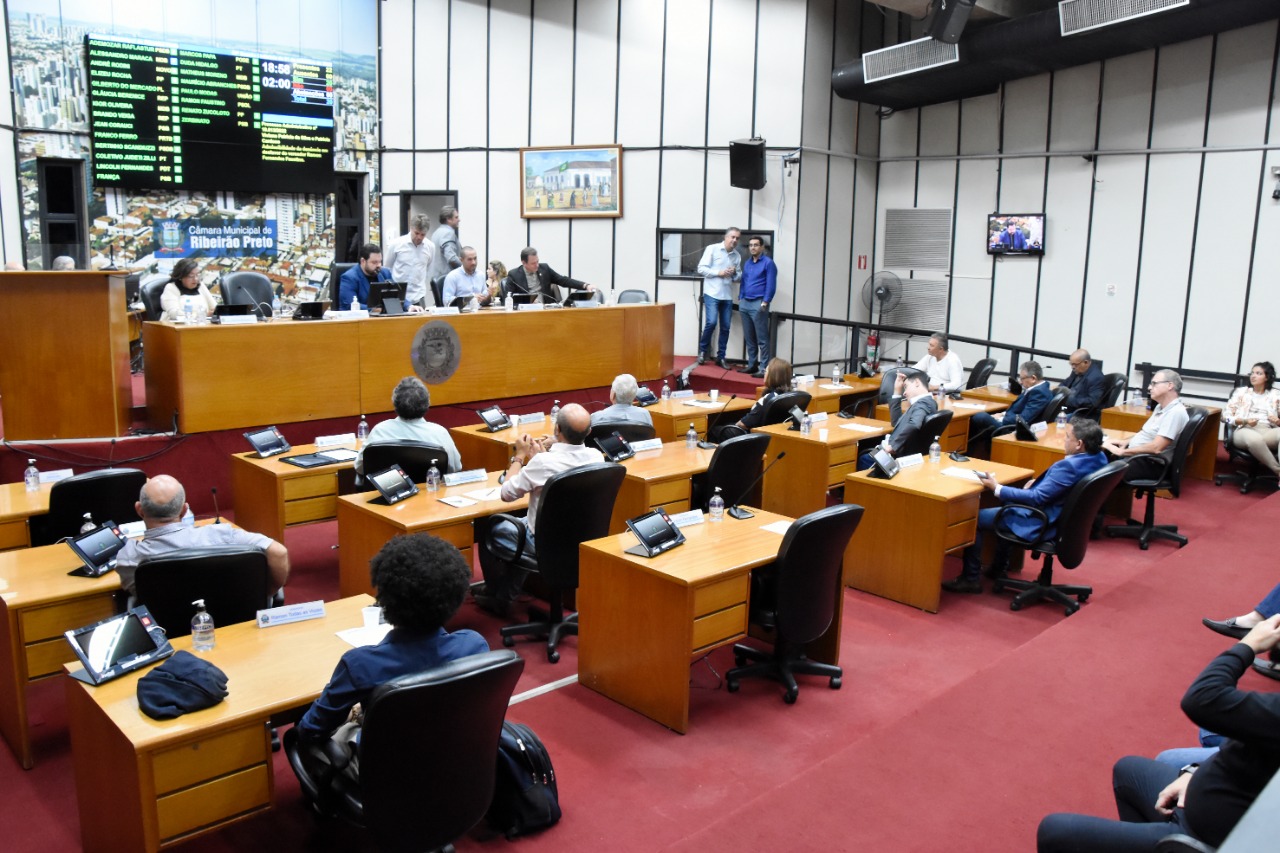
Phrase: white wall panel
(1075, 108)
(684, 110)
(730, 95)
(636, 232)
(818, 46)
(809, 242)
(592, 252)
(1026, 115)
(836, 299)
(971, 267)
(552, 81)
(1264, 297)
(865, 177)
(1126, 102)
(509, 73)
(1181, 97)
(640, 73)
(396, 78)
(430, 172)
(779, 76)
(507, 231)
(682, 181)
(429, 65)
(725, 204)
(466, 170)
(551, 238)
(1242, 82)
(1113, 258)
(596, 72)
(397, 174)
(774, 208)
(1070, 188)
(468, 77)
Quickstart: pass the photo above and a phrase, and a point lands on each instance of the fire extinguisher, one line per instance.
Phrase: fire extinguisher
(873, 350)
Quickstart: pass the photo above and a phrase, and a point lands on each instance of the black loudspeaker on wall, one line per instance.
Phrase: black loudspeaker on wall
(746, 163)
(949, 18)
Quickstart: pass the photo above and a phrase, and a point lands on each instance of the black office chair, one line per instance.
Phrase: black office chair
(1248, 473)
(1113, 385)
(234, 583)
(735, 464)
(575, 507)
(1067, 541)
(629, 296)
(866, 407)
(934, 426)
(798, 600)
(413, 456)
(779, 408)
(1153, 473)
(427, 754)
(437, 289)
(109, 495)
(332, 288)
(149, 291)
(1050, 410)
(629, 431)
(981, 373)
(248, 288)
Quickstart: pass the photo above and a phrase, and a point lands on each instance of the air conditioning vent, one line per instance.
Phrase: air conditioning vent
(917, 238)
(907, 58)
(1079, 16)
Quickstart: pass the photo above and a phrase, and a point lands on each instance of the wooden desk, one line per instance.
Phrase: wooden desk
(991, 394)
(270, 495)
(1040, 454)
(147, 784)
(911, 523)
(492, 451)
(671, 418)
(832, 400)
(40, 601)
(17, 505)
(797, 485)
(957, 435)
(1204, 453)
(363, 528)
(188, 370)
(659, 478)
(641, 622)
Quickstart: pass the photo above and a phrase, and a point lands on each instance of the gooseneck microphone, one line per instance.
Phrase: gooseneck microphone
(707, 445)
(743, 514)
(217, 516)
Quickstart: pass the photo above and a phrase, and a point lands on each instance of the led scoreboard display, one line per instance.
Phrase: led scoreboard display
(174, 116)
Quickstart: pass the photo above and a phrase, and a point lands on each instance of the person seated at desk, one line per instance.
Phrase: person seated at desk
(621, 396)
(161, 505)
(411, 399)
(1030, 404)
(1255, 412)
(184, 286)
(1159, 432)
(421, 581)
(944, 368)
(777, 380)
(63, 263)
(539, 279)
(466, 281)
(496, 277)
(921, 404)
(1082, 443)
(355, 281)
(1084, 385)
(534, 463)
(1205, 801)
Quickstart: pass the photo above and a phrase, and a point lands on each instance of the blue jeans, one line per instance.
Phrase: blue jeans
(1137, 782)
(1270, 605)
(755, 331)
(713, 310)
(1185, 755)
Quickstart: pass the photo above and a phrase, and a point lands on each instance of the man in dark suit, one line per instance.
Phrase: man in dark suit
(355, 281)
(913, 386)
(1030, 404)
(535, 278)
(1083, 446)
(1085, 384)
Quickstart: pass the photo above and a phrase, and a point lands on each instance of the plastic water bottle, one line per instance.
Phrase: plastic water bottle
(795, 383)
(275, 306)
(509, 303)
(691, 437)
(1061, 420)
(88, 523)
(433, 477)
(189, 520)
(555, 410)
(837, 378)
(188, 312)
(362, 431)
(935, 451)
(202, 639)
(666, 390)
(31, 476)
(806, 424)
(474, 304)
(715, 507)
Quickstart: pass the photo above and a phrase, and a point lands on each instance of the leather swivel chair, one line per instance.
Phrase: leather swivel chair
(1249, 472)
(413, 456)
(1113, 385)
(575, 507)
(332, 288)
(633, 296)
(234, 583)
(981, 373)
(798, 600)
(109, 495)
(629, 431)
(934, 427)
(866, 407)
(427, 753)
(437, 289)
(149, 292)
(1051, 408)
(780, 407)
(1154, 473)
(735, 464)
(1067, 540)
(248, 288)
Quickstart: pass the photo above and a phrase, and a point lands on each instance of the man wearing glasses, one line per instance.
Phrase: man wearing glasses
(1161, 429)
(1084, 385)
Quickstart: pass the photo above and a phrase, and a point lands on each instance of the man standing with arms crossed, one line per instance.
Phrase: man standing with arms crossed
(759, 283)
(720, 267)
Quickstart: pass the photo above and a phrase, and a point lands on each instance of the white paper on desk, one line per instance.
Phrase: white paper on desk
(862, 427)
(458, 502)
(961, 473)
(702, 404)
(485, 494)
(958, 405)
(339, 454)
(779, 527)
(831, 387)
(363, 636)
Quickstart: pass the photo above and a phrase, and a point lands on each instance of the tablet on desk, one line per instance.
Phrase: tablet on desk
(393, 485)
(884, 466)
(120, 644)
(656, 533)
(494, 418)
(614, 447)
(97, 549)
(268, 442)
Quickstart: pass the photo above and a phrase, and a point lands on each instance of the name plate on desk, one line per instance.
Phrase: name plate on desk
(531, 418)
(817, 417)
(358, 314)
(647, 444)
(335, 440)
(910, 461)
(1039, 426)
(290, 613)
(676, 395)
(55, 476)
(475, 475)
(440, 312)
(531, 306)
(238, 319)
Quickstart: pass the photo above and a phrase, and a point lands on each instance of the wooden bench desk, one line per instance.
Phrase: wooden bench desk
(832, 400)
(797, 485)
(1204, 453)
(659, 478)
(991, 394)
(17, 506)
(671, 418)
(956, 436)
(270, 495)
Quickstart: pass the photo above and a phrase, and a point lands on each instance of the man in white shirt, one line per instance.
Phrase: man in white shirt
(943, 366)
(720, 267)
(466, 280)
(409, 259)
(535, 462)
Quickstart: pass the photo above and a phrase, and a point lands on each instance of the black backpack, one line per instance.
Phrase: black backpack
(525, 797)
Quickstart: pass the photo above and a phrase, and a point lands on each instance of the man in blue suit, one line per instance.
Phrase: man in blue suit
(1083, 446)
(1085, 384)
(1030, 403)
(355, 281)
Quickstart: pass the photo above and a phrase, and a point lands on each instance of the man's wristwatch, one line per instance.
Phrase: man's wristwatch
(1187, 768)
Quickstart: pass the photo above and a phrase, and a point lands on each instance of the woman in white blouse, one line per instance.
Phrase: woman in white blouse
(1255, 413)
(184, 281)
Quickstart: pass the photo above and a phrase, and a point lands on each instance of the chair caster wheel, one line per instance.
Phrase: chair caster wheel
(836, 681)
(731, 685)
(739, 660)
(1082, 599)
(508, 641)
(1144, 545)
(553, 656)
(997, 586)
(1015, 605)
(790, 696)
(1070, 609)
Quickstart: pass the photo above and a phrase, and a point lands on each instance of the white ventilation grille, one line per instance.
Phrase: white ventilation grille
(907, 58)
(923, 305)
(1078, 16)
(917, 238)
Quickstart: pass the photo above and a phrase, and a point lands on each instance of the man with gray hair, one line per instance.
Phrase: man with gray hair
(1161, 429)
(409, 258)
(161, 504)
(62, 263)
(622, 395)
(1030, 404)
(411, 399)
(448, 251)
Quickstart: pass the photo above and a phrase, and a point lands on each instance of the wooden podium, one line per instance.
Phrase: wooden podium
(64, 355)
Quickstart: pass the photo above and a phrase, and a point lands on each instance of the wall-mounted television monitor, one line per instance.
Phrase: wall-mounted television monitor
(1015, 234)
(171, 116)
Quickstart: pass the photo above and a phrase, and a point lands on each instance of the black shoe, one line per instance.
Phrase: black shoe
(750, 368)
(963, 585)
(1268, 668)
(759, 374)
(496, 606)
(994, 571)
(1227, 628)
(720, 364)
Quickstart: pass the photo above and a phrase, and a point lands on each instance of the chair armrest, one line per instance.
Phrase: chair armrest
(865, 408)
(1162, 463)
(1010, 537)
(522, 533)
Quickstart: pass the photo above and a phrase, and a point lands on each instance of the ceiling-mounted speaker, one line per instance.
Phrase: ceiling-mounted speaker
(949, 18)
(746, 163)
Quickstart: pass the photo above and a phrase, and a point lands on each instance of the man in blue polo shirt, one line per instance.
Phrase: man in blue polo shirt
(759, 283)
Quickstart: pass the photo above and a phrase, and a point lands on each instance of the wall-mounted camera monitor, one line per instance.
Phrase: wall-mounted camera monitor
(1015, 234)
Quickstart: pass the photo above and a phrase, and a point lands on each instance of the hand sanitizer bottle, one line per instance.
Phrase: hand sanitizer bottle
(691, 437)
(935, 451)
(202, 639)
(433, 477)
(31, 477)
(715, 507)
